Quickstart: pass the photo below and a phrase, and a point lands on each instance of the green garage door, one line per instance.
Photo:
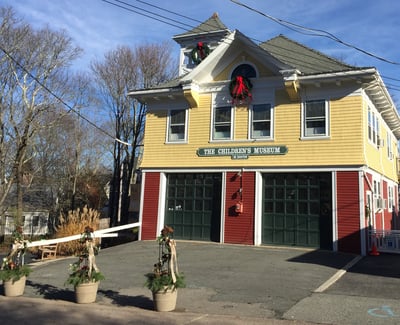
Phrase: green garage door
(297, 209)
(194, 206)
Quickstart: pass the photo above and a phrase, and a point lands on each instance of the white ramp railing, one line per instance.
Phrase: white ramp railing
(108, 232)
(386, 241)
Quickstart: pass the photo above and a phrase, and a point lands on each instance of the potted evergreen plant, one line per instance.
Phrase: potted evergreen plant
(13, 271)
(165, 279)
(85, 275)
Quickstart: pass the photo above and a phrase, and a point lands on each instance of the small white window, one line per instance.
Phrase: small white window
(390, 198)
(222, 123)
(177, 125)
(315, 119)
(261, 121)
(373, 127)
(389, 146)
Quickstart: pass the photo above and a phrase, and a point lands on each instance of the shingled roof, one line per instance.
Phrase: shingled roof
(304, 59)
(212, 24)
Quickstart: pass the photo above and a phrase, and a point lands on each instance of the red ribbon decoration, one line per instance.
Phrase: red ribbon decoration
(240, 90)
(200, 49)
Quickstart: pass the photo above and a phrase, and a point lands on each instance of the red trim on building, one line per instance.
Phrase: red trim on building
(239, 227)
(348, 212)
(150, 205)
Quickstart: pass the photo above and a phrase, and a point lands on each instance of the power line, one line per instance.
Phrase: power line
(146, 15)
(170, 11)
(71, 109)
(289, 25)
(313, 32)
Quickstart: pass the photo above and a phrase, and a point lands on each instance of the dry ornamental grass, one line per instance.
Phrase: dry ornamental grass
(74, 223)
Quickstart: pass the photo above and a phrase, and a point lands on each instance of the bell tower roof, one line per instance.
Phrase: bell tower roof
(210, 33)
(211, 25)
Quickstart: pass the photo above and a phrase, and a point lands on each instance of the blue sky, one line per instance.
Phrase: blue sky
(98, 26)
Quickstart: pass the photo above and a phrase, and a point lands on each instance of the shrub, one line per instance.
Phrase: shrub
(74, 223)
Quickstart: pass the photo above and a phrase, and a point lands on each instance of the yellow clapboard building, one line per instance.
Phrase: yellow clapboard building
(272, 143)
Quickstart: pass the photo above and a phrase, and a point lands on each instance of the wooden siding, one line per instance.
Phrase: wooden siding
(343, 147)
(377, 158)
(150, 206)
(239, 228)
(241, 123)
(243, 57)
(348, 212)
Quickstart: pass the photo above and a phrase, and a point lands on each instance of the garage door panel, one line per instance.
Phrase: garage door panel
(193, 205)
(290, 222)
(314, 224)
(291, 208)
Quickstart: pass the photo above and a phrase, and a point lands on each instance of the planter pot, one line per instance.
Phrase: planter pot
(86, 293)
(14, 289)
(165, 300)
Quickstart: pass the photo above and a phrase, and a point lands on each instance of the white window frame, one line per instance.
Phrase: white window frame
(373, 126)
(170, 125)
(390, 154)
(252, 121)
(231, 124)
(390, 198)
(377, 194)
(304, 134)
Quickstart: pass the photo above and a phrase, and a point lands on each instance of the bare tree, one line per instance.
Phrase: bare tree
(34, 76)
(122, 70)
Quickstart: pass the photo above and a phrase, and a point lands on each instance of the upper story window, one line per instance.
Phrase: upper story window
(390, 198)
(261, 121)
(244, 70)
(177, 125)
(389, 146)
(373, 127)
(222, 123)
(315, 119)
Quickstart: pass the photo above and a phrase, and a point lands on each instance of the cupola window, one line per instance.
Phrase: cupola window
(244, 70)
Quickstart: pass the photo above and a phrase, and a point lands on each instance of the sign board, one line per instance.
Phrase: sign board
(242, 152)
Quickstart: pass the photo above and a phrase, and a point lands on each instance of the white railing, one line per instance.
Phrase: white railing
(108, 232)
(386, 241)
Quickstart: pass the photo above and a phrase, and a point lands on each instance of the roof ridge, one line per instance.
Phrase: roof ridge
(211, 24)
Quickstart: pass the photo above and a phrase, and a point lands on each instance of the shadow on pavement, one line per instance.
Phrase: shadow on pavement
(52, 292)
(128, 301)
(383, 265)
(324, 258)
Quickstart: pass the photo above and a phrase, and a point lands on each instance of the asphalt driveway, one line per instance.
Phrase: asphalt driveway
(243, 281)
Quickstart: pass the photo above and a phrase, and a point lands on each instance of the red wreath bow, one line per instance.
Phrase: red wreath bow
(200, 48)
(241, 89)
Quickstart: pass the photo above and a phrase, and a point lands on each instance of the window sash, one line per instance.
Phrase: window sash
(222, 123)
(177, 125)
(261, 121)
(315, 118)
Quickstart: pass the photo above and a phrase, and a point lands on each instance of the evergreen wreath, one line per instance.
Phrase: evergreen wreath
(200, 52)
(240, 89)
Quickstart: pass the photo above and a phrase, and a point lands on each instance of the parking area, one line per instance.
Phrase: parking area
(243, 281)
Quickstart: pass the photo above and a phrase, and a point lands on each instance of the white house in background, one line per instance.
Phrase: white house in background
(35, 223)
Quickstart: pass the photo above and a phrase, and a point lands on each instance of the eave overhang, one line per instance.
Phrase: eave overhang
(368, 79)
(149, 96)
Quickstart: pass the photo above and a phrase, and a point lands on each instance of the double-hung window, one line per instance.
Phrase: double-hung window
(222, 123)
(373, 126)
(177, 125)
(315, 118)
(261, 121)
(390, 198)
